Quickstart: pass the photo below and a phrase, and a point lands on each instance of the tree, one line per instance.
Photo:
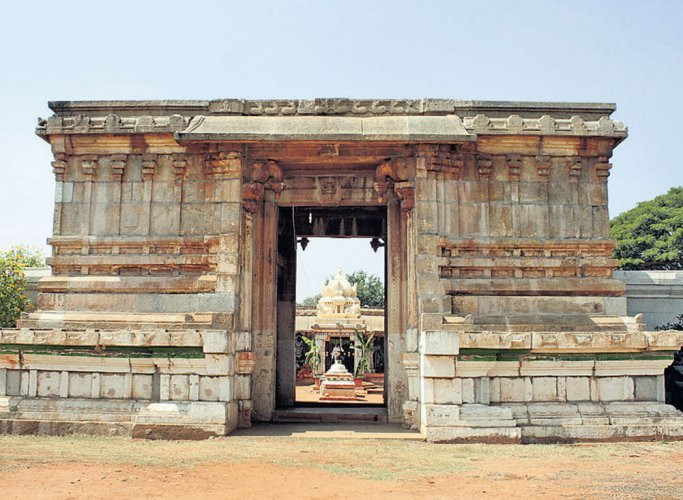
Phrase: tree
(311, 301)
(370, 288)
(678, 325)
(650, 236)
(13, 282)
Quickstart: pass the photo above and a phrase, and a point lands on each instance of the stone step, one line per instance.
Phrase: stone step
(333, 415)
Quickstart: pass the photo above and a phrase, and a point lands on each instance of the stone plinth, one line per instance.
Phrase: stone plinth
(337, 384)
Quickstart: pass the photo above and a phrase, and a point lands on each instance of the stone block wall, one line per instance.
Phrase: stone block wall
(70, 370)
(521, 387)
(657, 295)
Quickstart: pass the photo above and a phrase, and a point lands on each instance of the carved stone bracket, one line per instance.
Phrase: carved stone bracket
(602, 168)
(484, 164)
(405, 192)
(88, 166)
(543, 166)
(576, 165)
(179, 165)
(262, 175)
(225, 163)
(448, 159)
(59, 166)
(396, 174)
(118, 165)
(149, 166)
(514, 163)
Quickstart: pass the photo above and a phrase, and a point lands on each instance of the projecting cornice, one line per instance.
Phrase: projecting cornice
(405, 129)
(350, 117)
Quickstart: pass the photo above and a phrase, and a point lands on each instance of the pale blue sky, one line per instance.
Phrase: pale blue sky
(628, 52)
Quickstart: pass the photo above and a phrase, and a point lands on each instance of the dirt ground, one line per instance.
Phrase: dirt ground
(283, 466)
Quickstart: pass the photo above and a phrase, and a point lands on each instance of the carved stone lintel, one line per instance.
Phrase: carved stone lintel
(328, 187)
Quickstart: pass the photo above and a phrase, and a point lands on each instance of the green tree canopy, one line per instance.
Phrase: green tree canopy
(370, 288)
(13, 283)
(650, 236)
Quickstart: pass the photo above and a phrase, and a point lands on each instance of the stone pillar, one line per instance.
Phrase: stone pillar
(320, 342)
(117, 166)
(88, 168)
(411, 414)
(264, 300)
(149, 166)
(59, 169)
(179, 162)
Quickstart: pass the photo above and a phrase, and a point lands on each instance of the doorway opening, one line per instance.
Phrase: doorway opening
(331, 348)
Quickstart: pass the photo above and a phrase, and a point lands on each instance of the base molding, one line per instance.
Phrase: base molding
(138, 419)
(556, 423)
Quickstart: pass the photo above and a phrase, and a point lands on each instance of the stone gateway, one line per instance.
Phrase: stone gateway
(170, 310)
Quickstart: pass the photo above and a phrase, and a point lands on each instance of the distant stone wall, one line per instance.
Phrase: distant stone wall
(658, 295)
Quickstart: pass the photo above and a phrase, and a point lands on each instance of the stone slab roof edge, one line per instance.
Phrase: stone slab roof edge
(407, 128)
(416, 120)
(329, 106)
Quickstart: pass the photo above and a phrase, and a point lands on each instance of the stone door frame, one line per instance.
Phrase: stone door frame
(258, 289)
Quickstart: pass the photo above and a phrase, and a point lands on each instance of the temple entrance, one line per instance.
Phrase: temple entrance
(293, 199)
(331, 347)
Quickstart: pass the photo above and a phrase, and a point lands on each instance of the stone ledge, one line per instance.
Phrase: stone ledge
(455, 435)
(93, 337)
(171, 420)
(574, 342)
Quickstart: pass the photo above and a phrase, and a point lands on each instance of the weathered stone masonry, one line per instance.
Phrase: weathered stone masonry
(504, 321)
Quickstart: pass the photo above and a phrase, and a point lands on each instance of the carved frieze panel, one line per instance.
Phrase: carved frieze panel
(527, 259)
(544, 125)
(153, 256)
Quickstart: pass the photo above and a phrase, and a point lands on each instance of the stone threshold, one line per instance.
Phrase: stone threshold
(330, 431)
(331, 415)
